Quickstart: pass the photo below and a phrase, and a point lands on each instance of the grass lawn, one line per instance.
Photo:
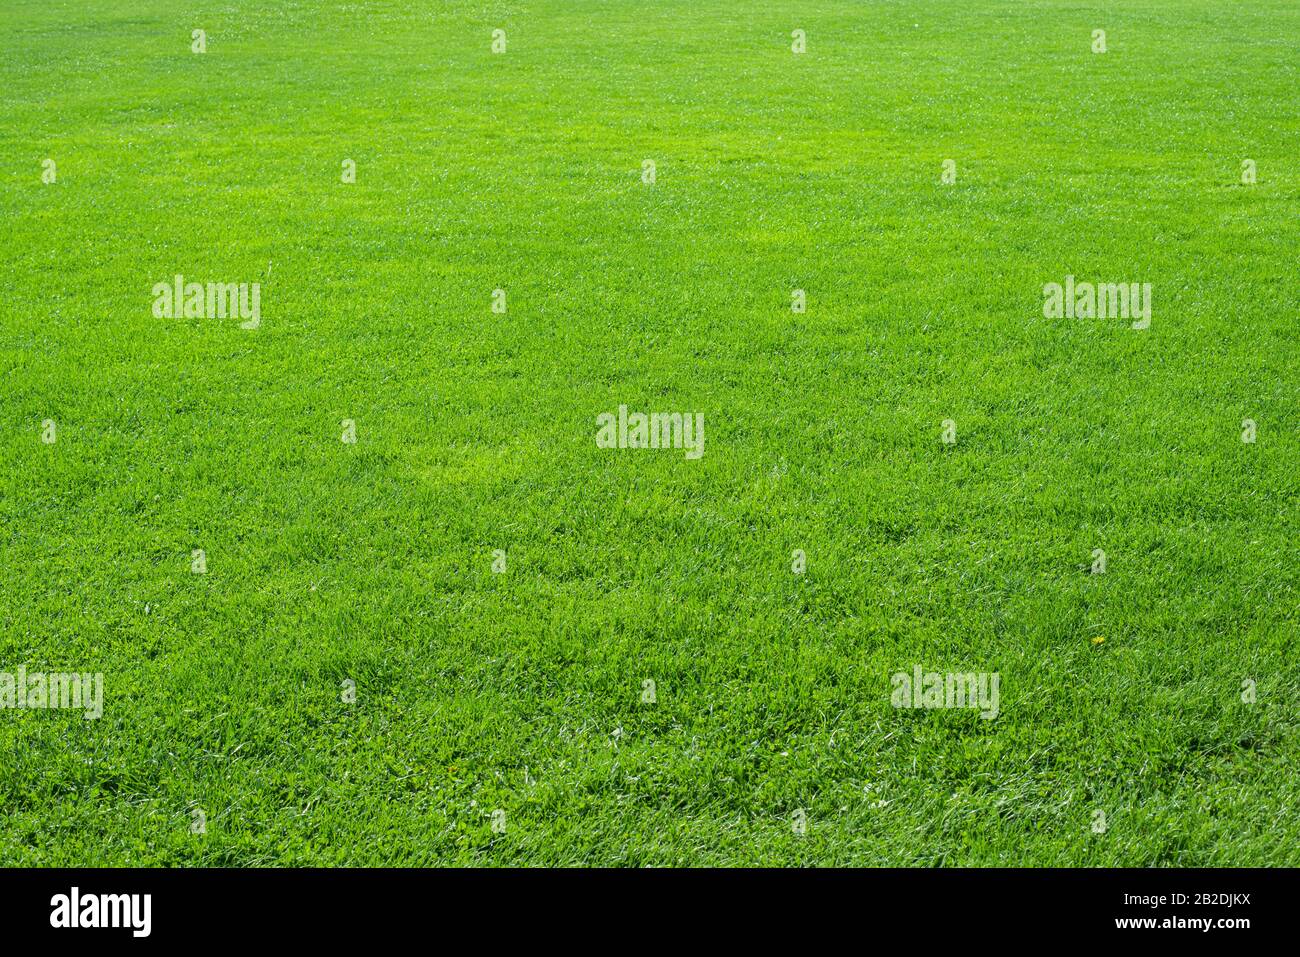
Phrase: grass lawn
(373, 570)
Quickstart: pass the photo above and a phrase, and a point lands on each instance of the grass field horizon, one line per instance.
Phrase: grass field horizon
(496, 588)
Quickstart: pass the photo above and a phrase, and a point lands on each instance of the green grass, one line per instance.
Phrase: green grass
(521, 691)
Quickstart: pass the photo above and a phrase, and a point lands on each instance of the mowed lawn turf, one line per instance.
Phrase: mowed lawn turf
(522, 690)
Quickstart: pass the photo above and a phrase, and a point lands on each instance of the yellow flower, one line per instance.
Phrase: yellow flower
(1099, 640)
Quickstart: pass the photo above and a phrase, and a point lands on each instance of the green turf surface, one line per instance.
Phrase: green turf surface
(521, 691)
